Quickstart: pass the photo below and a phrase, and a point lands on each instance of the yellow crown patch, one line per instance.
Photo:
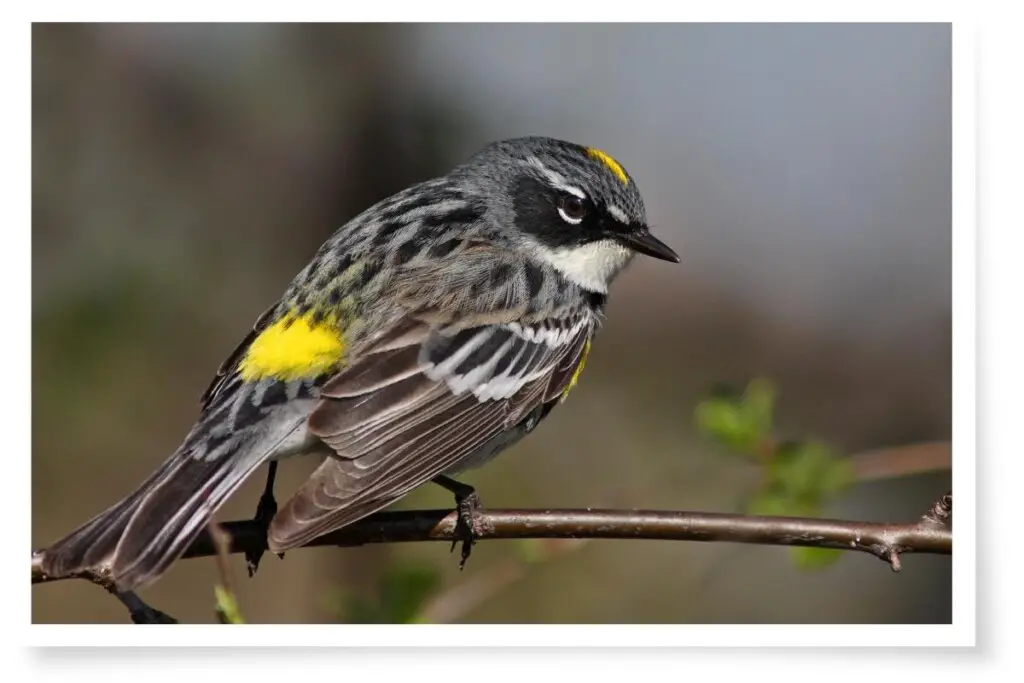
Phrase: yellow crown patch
(612, 165)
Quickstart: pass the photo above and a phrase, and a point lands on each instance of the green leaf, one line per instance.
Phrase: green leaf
(775, 502)
(738, 422)
(759, 405)
(801, 469)
(837, 477)
(724, 421)
(815, 558)
(227, 606)
(768, 503)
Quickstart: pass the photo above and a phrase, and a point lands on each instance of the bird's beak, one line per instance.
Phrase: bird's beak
(642, 241)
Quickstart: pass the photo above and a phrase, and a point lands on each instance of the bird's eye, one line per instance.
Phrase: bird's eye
(572, 209)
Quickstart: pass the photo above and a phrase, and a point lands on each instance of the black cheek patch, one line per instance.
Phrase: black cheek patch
(536, 214)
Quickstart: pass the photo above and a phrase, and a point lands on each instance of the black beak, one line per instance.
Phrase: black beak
(642, 241)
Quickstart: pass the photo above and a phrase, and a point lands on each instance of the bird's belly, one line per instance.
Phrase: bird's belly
(293, 432)
(299, 442)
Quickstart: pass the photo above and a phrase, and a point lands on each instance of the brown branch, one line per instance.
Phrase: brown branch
(937, 517)
(940, 512)
(901, 461)
(885, 541)
(138, 611)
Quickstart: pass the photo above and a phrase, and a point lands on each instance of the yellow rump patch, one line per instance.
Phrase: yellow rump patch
(579, 368)
(293, 348)
(612, 165)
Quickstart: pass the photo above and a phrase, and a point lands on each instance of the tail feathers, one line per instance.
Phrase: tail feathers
(91, 545)
(172, 515)
(136, 540)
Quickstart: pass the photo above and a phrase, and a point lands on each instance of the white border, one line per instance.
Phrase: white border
(961, 632)
(964, 246)
(489, 635)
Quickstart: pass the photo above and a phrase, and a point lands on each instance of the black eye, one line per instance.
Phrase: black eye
(572, 209)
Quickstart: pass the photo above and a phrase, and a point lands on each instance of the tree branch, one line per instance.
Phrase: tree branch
(885, 541)
(901, 461)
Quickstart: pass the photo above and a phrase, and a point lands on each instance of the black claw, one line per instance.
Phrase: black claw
(265, 511)
(468, 508)
(467, 504)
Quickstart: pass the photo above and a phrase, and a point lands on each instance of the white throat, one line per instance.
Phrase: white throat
(591, 266)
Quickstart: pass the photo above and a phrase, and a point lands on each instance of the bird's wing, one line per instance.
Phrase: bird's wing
(425, 398)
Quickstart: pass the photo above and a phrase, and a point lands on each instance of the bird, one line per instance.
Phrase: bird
(429, 333)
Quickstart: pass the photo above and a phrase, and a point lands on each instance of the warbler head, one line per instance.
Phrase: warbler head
(573, 207)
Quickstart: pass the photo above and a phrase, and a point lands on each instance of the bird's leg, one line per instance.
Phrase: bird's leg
(265, 511)
(467, 504)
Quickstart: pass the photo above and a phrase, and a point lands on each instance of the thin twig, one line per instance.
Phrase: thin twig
(226, 603)
(138, 610)
(878, 539)
(221, 541)
(902, 461)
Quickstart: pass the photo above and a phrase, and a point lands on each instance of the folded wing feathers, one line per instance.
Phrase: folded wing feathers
(403, 415)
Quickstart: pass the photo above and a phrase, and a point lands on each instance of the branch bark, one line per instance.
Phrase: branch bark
(883, 540)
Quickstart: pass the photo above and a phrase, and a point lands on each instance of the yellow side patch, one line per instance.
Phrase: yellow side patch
(293, 348)
(612, 165)
(579, 368)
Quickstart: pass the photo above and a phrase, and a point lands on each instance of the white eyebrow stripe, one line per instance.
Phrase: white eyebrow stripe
(618, 214)
(567, 188)
(557, 179)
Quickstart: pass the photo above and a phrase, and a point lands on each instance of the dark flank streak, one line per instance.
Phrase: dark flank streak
(463, 215)
(343, 263)
(597, 300)
(274, 395)
(420, 200)
(248, 414)
(386, 232)
(368, 271)
(500, 274)
(534, 279)
(407, 251)
(444, 248)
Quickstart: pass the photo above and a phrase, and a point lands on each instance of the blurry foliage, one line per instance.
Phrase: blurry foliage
(227, 608)
(738, 422)
(405, 591)
(89, 322)
(402, 591)
(799, 477)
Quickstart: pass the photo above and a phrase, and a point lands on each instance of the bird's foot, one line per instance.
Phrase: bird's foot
(265, 511)
(468, 506)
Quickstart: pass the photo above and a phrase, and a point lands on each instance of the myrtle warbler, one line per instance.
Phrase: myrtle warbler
(428, 334)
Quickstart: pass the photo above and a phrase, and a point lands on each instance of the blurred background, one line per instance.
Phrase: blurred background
(182, 174)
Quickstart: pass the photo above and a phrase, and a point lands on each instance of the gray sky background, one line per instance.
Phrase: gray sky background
(804, 168)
